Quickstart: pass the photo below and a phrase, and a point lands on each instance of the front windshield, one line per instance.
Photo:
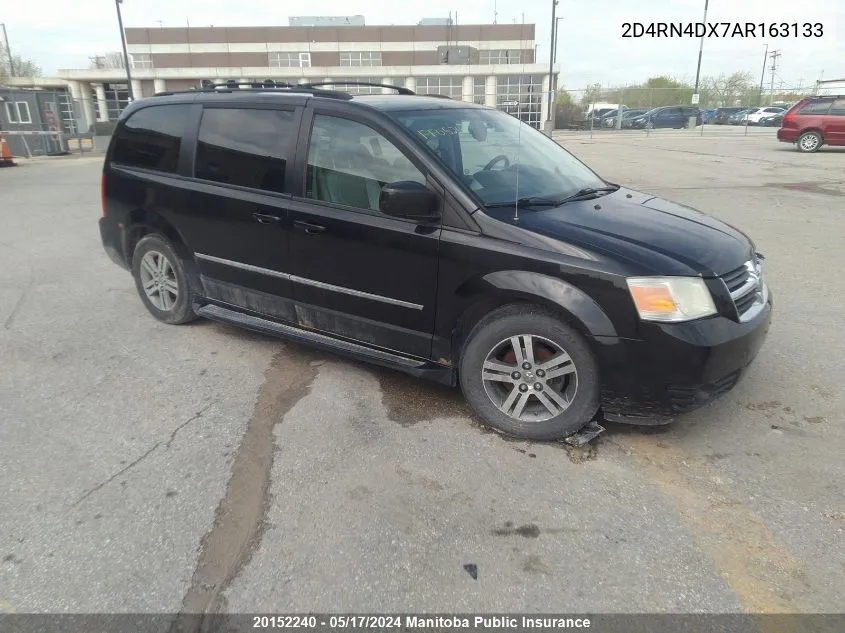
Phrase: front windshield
(500, 158)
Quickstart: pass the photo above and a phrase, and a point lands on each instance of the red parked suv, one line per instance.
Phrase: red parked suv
(814, 122)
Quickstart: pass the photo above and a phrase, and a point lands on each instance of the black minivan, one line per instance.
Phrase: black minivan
(441, 238)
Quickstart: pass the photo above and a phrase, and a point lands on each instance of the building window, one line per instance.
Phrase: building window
(18, 112)
(364, 90)
(360, 58)
(142, 60)
(500, 57)
(445, 85)
(479, 90)
(117, 98)
(520, 95)
(290, 60)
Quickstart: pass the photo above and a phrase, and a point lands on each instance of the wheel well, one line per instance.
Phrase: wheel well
(484, 306)
(811, 129)
(143, 223)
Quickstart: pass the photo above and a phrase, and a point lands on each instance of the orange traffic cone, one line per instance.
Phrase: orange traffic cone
(6, 154)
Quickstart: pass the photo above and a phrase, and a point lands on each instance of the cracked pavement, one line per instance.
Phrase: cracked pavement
(155, 468)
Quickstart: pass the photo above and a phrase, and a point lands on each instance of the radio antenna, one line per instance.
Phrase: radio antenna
(520, 123)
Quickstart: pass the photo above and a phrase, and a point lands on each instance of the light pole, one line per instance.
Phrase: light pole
(557, 31)
(8, 52)
(762, 75)
(700, 50)
(125, 54)
(552, 43)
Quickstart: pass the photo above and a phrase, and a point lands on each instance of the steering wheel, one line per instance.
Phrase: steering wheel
(497, 159)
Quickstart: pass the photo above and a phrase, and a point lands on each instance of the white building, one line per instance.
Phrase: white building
(491, 64)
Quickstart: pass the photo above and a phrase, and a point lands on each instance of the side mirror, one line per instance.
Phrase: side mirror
(409, 199)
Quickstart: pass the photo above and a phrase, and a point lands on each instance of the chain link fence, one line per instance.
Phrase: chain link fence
(722, 111)
(56, 124)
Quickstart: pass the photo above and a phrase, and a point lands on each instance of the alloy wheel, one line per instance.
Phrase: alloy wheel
(158, 280)
(809, 142)
(529, 378)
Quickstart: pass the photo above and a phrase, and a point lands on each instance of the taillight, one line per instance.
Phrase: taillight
(103, 194)
(789, 117)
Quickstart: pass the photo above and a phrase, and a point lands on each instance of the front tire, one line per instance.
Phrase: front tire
(161, 281)
(809, 142)
(528, 375)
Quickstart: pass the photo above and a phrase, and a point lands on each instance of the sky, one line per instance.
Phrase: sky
(61, 34)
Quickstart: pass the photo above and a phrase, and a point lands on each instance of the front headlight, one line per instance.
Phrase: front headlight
(671, 299)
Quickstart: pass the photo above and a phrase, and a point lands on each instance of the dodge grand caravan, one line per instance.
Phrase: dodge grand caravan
(440, 238)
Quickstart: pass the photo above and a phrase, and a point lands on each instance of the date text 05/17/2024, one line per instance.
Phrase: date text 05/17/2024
(722, 29)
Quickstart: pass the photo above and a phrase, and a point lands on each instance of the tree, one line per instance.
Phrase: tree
(665, 91)
(21, 67)
(566, 110)
(113, 60)
(789, 96)
(592, 94)
(735, 89)
(655, 91)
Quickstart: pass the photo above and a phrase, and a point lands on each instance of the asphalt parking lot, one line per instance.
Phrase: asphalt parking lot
(154, 468)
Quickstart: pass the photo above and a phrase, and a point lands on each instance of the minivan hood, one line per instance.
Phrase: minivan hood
(646, 230)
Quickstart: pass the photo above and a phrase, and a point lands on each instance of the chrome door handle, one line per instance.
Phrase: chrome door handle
(308, 227)
(265, 218)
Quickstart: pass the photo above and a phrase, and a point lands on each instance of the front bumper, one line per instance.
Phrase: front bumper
(677, 367)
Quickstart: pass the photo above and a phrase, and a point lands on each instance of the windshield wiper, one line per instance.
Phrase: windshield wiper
(532, 201)
(589, 192)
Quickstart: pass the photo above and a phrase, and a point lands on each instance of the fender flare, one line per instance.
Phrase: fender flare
(154, 221)
(518, 285)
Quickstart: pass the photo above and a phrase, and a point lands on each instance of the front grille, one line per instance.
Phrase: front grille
(746, 287)
(736, 278)
(688, 398)
(744, 303)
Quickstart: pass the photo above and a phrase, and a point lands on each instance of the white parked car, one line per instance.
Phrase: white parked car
(761, 113)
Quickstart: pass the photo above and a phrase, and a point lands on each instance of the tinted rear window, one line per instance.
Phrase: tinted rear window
(838, 107)
(816, 107)
(151, 138)
(249, 148)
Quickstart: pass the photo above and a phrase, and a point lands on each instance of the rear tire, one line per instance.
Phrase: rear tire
(528, 375)
(809, 142)
(161, 281)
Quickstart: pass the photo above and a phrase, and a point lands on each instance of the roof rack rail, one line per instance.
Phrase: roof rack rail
(399, 89)
(268, 85)
(436, 96)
